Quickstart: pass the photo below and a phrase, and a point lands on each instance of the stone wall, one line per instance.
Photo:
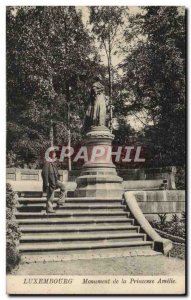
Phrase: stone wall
(153, 203)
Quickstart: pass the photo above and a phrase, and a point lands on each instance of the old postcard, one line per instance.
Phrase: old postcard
(95, 192)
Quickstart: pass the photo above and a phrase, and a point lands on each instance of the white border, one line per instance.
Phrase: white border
(3, 4)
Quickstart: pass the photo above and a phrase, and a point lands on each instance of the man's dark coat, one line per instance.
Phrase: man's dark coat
(50, 175)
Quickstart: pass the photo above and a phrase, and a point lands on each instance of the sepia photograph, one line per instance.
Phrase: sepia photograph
(96, 150)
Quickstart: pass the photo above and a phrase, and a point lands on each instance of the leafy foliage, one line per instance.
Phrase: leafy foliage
(178, 251)
(12, 230)
(51, 61)
(154, 80)
(174, 227)
(180, 178)
(162, 218)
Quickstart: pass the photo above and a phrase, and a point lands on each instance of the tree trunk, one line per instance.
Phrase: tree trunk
(68, 98)
(51, 129)
(110, 82)
(69, 131)
(69, 145)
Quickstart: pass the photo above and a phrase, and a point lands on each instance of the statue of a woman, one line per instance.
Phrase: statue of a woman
(96, 112)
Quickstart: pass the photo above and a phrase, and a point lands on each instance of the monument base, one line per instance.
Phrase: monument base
(99, 183)
(98, 177)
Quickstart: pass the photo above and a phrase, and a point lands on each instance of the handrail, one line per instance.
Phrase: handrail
(160, 244)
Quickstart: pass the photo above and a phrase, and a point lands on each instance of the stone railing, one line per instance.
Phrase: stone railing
(133, 179)
(30, 180)
(163, 175)
(160, 244)
(15, 174)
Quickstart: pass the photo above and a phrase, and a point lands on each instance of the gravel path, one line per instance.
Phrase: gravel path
(151, 265)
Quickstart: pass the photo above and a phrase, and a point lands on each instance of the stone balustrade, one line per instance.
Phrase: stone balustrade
(16, 174)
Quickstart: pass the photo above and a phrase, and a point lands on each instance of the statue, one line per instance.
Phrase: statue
(96, 112)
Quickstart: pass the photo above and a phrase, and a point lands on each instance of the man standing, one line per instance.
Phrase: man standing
(51, 182)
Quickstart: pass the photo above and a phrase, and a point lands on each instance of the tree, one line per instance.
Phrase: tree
(106, 21)
(50, 64)
(154, 79)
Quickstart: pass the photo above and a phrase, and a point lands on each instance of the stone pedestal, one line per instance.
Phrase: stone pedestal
(98, 177)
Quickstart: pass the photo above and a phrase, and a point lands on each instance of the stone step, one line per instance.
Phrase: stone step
(82, 241)
(80, 237)
(70, 200)
(86, 220)
(71, 214)
(72, 206)
(56, 246)
(38, 229)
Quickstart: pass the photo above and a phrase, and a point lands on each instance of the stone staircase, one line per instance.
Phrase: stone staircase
(81, 226)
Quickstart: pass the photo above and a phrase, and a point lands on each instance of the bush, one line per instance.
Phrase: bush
(175, 226)
(12, 231)
(180, 178)
(13, 258)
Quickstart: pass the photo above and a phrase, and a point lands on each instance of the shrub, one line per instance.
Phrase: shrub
(12, 231)
(180, 178)
(10, 197)
(175, 218)
(176, 226)
(162, 218)
(183, 217)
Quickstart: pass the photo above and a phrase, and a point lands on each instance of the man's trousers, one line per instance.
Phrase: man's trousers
(50, 194)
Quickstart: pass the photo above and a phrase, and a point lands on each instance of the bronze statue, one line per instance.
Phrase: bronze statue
(96, 112)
